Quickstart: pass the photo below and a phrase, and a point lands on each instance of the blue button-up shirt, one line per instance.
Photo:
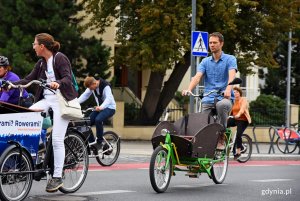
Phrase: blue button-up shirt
(216, 75)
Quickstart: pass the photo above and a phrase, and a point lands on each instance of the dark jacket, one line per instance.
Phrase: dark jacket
(62, 71)
(101, 87)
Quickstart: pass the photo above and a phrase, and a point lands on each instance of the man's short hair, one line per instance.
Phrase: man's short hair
(88, 81)
(217, 34)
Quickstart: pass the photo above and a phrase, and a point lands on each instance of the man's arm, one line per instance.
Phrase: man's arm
(231, 75)
(86, 94)
(195, 80)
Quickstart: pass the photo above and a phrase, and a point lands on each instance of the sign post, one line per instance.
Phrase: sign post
(199, 48)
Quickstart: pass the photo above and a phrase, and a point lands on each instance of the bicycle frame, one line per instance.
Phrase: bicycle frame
(198, 164)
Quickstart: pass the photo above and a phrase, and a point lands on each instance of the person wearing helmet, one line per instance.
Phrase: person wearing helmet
(11, 96)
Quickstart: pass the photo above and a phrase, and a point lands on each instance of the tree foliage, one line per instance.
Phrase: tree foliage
(156, 35)
(276, 78)
(21, 20)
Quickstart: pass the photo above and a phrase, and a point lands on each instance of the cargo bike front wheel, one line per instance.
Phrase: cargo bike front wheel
(220, 165)
(160, 169)
(15, 185)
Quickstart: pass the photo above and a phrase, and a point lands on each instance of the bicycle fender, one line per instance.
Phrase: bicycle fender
(13, 145)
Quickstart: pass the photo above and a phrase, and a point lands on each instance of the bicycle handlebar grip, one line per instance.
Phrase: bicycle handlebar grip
(5, 85)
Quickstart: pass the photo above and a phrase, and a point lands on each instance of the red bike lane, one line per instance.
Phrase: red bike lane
(128, 166)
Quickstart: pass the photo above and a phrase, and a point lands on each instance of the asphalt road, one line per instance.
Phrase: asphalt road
(128, 180)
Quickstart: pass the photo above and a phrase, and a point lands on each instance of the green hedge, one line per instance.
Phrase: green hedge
(268, 110)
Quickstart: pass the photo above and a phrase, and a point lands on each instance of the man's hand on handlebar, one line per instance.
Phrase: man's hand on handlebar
(227, 93)
(186, 92)
(98, 108)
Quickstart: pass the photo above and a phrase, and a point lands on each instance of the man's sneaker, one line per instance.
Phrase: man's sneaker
(54, 184)
(97, 147)
(221, 146)
(221, 142)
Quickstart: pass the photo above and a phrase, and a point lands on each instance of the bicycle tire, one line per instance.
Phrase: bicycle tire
(281, 145)
(158, 170)
(246, 154)
(110, 153)
(76, 161)
(10, 163)
(219, 169)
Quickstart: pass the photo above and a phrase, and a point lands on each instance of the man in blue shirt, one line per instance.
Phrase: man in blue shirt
(217, 70)
(106, 105)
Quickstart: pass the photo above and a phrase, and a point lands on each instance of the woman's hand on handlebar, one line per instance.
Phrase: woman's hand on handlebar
(54, 85)
(234, 117)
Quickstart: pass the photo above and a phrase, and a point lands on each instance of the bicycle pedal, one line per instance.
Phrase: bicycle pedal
(192, 175)
(39, 175)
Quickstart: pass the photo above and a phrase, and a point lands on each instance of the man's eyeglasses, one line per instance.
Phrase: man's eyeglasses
(33, 44)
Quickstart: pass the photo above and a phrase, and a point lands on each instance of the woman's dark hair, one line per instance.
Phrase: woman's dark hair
(239, 90)
(48, 41)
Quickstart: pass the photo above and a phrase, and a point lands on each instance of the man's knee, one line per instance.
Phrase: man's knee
(224, 104)
(98, 121)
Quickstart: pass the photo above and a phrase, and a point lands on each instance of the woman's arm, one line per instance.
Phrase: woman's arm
(243, 106)
(86, 94)
(63, 68)
(33, 75)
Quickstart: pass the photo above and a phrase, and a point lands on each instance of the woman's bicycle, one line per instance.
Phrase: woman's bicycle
(189, 144)
(22, 161)
(111, 144)
(246, 150)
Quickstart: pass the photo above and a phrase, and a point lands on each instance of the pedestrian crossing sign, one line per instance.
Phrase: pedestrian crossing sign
(199, 43)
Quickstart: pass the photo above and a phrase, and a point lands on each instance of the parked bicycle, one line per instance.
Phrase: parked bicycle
(22, 161)
(288, 139)
(110, 150)
(189, 144)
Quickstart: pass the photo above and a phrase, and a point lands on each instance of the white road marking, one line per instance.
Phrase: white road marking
(102, 192)
(258, 165)
(271, 180)
(196, 186)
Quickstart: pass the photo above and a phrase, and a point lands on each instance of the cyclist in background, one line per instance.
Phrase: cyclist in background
(240, 112)
(10, 96)
(106, 106)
